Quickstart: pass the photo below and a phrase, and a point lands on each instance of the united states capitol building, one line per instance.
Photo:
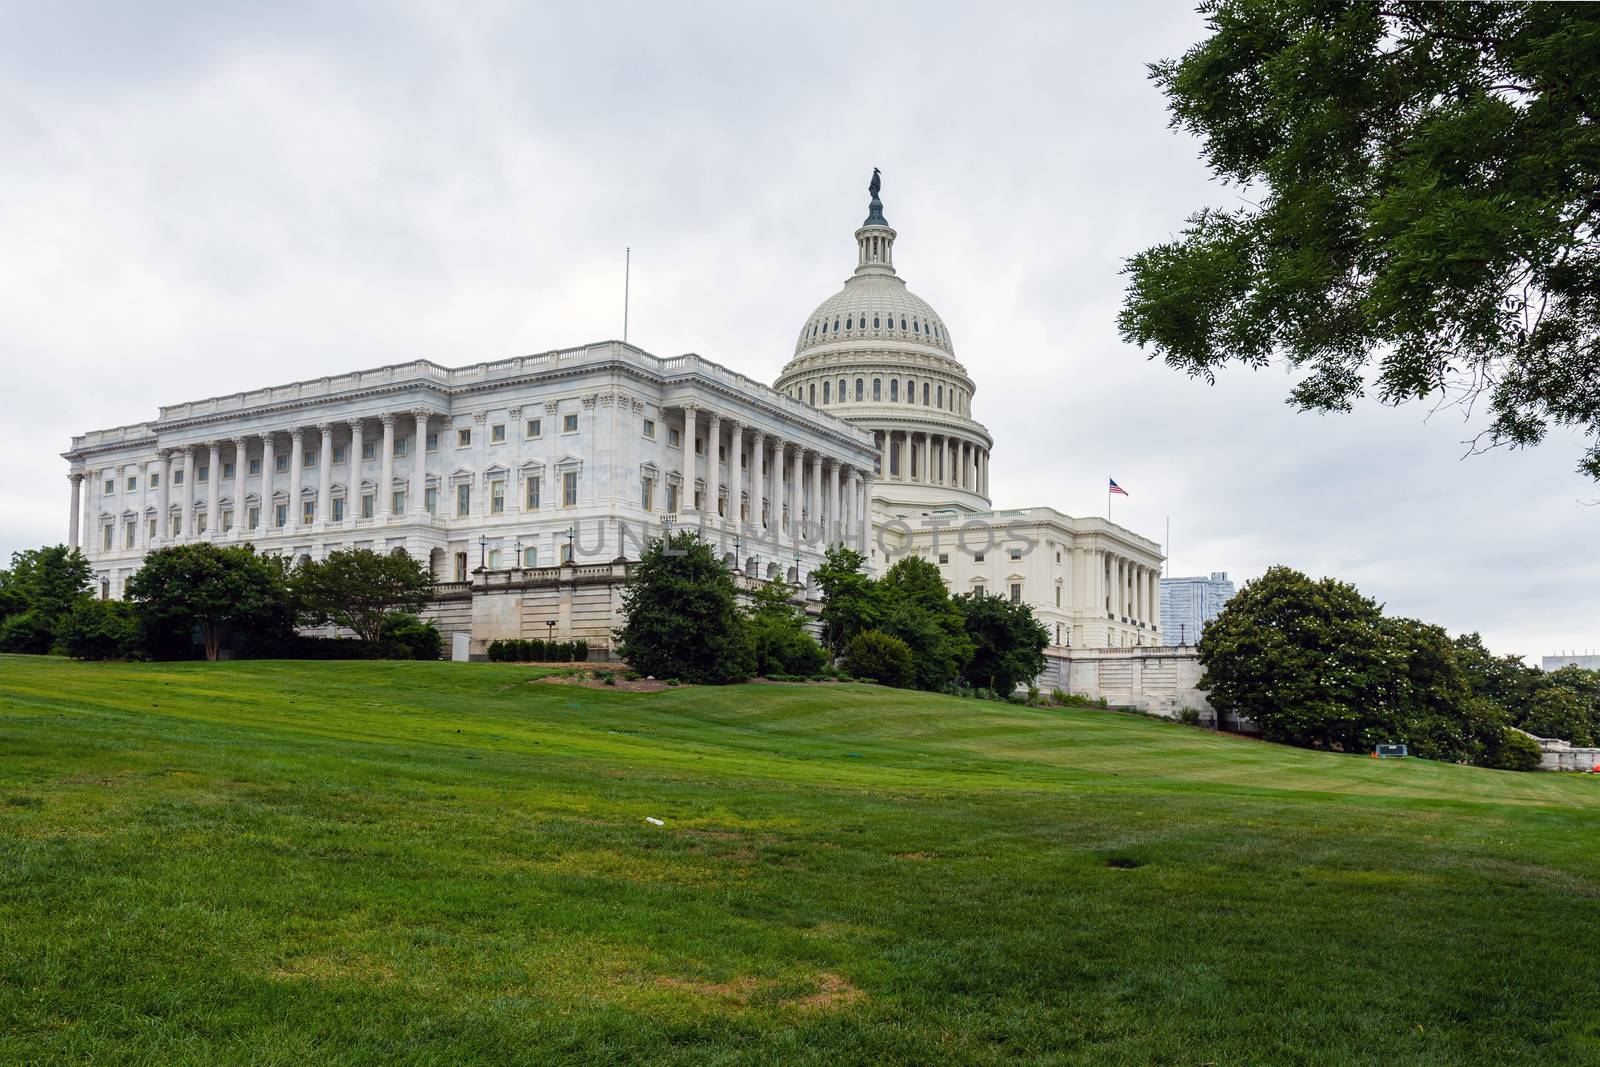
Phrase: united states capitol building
(529, 483)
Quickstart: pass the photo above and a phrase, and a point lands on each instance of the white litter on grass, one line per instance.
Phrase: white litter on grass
(653, 820)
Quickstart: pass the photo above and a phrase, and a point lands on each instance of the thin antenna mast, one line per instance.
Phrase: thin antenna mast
(627, 277)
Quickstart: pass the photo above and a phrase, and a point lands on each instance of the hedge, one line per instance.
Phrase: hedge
(523, 651)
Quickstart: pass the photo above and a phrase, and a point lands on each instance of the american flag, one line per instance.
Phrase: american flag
(1115, 488)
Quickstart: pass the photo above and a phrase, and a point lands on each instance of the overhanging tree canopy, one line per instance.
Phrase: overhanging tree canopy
(1427, 188)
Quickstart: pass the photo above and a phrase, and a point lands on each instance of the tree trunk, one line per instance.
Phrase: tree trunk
(209, 635)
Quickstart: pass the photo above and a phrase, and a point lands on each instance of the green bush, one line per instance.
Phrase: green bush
(1189, 716)
(1518, 752)
(29, 632)
(99, 630)
(682, 615)
(580, 650)
(607, 677)
(878, 655)
(408, 637)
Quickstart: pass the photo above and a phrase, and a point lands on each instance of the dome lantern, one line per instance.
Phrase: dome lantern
(875, 238)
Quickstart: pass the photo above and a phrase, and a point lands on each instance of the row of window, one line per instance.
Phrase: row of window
(880, 321)
(308, 508)
(934, 394)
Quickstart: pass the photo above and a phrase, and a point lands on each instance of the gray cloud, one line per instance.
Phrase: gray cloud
(204, 198)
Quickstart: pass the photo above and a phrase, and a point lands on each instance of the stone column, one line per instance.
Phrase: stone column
(241, 446)
(969, 467)
(74, 523)
(713, 465)
(269, 467)
(758, 480)
(691, 418)
(816, 496)
(324, 474)
(417, 494)
(214, 492)
(297, 453)
(352, 480)
(735, 473)
(835, 502)
(385, 493)
(187, 529)
(797, 477)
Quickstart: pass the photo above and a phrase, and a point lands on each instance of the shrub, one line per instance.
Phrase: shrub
(1189, 716)
(498, 651)
(100, 629)
(606, 676)
(1058, 696)
(1033, 694)
(878, 655)
(28, 631)
(682, 615)
(580, 650)
(408, 637)
(1518, 752)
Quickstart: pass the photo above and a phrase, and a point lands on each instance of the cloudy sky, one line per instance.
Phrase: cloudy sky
(198, 199)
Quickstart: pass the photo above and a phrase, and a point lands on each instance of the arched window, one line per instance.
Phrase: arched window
(911, 391)
(850, 323)
(877, 388)
(902, 322)
(875, 322)
(835, 325)
(813, 394)
(894, 389)
(825, 397)
(813, 329)
(860, 394)
(939, 392)
(916, 327)
(924, 394)
(843, 393)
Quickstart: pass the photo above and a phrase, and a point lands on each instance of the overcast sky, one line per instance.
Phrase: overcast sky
(199, 199)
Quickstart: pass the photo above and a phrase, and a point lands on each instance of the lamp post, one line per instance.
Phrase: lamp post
(518, 564)
(483, 551)
(572, 532)
(797, 580)
(738, 549)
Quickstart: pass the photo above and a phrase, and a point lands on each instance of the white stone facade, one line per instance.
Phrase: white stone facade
(499, 467)
(878, 356)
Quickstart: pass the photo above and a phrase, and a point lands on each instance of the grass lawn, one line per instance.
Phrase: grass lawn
(308, 863)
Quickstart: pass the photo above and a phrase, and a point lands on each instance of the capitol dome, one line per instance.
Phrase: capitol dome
(877, 355)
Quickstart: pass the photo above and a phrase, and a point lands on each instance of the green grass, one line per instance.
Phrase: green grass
(432, 863)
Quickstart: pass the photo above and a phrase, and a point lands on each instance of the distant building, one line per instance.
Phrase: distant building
(1588, 663)
(1187, 604)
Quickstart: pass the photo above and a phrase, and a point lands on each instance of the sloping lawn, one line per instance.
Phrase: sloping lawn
(435, 863)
